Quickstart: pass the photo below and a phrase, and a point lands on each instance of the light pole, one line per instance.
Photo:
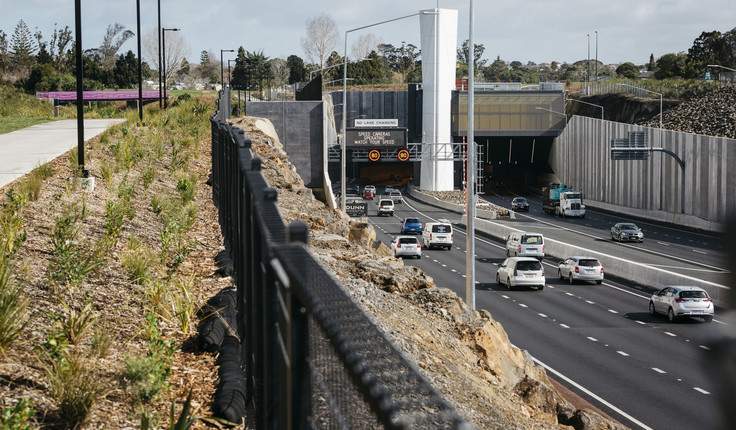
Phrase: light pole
(470, 195)
(660, 137)
(596, 55)
(345, 103)
(140, 63)
(222, 71)
(160, 93)
(553, 111)
(80, 87)
(580, 101)
(163, 39)
(722, 67)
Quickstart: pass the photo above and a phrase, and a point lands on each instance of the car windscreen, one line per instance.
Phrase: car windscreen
(628, 227)
(589, 263)
(531, 240)
(441, 228)
(408, 240)
(693, 295)
(528, 265)
(520, 200)
(412, 220)
(386, 203)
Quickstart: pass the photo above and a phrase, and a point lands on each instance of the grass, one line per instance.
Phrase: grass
(76, 387)
(11, 124)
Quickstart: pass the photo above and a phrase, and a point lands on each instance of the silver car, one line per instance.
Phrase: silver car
(521, 271)
(679, 301)
(581, 269)
(626, 231)
(406, 246)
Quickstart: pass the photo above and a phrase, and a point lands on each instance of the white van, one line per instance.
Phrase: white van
(522, 244)
(437, 234)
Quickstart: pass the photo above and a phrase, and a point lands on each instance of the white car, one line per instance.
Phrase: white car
(521, 271)
(386, 207)
(581, 269)
(679, 301)
(437, 234)
(406, 246)
(395, 195)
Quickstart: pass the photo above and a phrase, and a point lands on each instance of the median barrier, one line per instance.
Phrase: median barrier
(643, 274)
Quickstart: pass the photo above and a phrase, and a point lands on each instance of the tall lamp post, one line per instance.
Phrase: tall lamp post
(80, 87)
(470, 195)
(587, 79)
(596, 55)
(160, 93)
(140, 63)
(660, 137)
(163, 38)
(222, 71)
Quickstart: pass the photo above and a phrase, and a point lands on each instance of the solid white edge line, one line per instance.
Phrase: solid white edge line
(591, 394)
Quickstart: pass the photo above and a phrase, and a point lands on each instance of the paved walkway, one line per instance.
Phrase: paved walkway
(23, 150)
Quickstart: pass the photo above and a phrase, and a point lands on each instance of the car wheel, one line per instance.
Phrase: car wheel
(559, 273)
(707, 318)
(541, 287)
(671, 315)
(569, 278)
(598, 282)
(508, 253)
(651, 309)
(419, 257)
(508, 283)
(612, 238)
(498, 279)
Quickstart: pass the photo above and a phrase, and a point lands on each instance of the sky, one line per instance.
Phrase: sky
(541, 31)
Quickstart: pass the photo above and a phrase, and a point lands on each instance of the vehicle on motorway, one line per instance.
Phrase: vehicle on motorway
(352, 192)
(521, 271)
(562, 200)
(387, 189)
(581, 269)
(385, 207)
(406, 246)
(411, 225)
(520, 204)
(681, 301)
(437, 234)
(356, 207)
(396, 196)
(522, 244)
(370, 187)
(626, 231)
(368, 193)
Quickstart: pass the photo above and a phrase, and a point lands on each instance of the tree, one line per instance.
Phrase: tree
(258, 69)
(463, 54)
(670, 66)
(375, 70)
(60, 40)
(365, 44)
(628, 70)
(21, 46)
(279, 71)
(297, 70)
(321, 38)
(115, 36)
(401, 60)
(208, 69)
(708, 48)
(496, 71)
(652, 65)
(240, 72)
(175, 50)
(4, 57)
(125, 73)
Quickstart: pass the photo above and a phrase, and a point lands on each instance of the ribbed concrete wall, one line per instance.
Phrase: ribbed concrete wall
(580, 156)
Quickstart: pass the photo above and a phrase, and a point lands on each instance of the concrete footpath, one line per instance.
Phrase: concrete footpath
(23, 150)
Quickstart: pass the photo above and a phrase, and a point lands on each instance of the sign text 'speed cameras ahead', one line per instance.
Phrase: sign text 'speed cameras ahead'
(376, 137)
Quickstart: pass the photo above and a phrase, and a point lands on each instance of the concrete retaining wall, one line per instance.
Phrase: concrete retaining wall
(621, 268)
(581, 157)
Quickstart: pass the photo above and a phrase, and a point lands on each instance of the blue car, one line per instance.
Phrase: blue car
(411, 225)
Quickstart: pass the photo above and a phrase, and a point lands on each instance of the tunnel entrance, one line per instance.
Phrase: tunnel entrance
(512, 163)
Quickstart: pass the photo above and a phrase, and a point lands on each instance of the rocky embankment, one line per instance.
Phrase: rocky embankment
(712, 114)
(465, 354)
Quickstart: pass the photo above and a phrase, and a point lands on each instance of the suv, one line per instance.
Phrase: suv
(386, 207)
(395, 195)
(521, 271)
(519, 204)
(437, 234)
(521, 244)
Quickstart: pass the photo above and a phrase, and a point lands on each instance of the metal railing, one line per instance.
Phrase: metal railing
(312, 358)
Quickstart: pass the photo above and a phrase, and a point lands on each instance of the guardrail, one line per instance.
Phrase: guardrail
(312, 358)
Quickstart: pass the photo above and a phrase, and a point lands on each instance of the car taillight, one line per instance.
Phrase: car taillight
(398, 245)
(708, 300)
(519, 248)
(601, 270)
(514, 272)
(418, 246)
(577, 270)
(679, 300)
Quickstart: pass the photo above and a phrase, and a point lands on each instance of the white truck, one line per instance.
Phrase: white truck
(571, 204)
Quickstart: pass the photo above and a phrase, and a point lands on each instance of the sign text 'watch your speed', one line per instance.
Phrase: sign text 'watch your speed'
(386, 137)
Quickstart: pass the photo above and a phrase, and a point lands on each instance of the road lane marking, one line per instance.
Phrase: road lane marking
(590, 302)
(700, 390)
(670, 334)
(623, 353)
(564, 326)
(505, 296)
(641, 322)
(592, 339)
(658, 370)
(543, 315)
(700, 252)
(523, 305)
(612, 311)
(704, 347)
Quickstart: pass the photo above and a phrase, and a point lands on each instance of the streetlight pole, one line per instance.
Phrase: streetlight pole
(660, 138)
(596, 55)
(163, 38)
(140, 63)
(587, 79)
(587, 103)
(160, 93)
(80, 87)
(470, 195)
(345, 103)
(222, 71)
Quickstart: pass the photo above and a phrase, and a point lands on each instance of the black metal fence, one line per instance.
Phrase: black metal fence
(311, 357)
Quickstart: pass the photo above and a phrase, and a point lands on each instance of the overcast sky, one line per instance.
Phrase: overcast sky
(534, 30)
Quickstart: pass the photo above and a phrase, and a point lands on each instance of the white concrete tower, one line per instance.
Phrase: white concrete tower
(439, 41)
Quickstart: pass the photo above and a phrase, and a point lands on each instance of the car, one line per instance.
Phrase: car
(521, 271)
(395, 195)
(370, 187)
(581, 269)
(411, 225)
(387, 189)
(406, 246)
(682, 301)
(523, 244)
(520, 204)
(626, 231)
(437, 234)
(385, 207)
(351, 192)
(368, 194)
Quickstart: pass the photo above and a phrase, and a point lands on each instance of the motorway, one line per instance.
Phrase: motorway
(598, 340)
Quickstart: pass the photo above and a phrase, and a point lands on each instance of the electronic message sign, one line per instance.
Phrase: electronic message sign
(365, 137)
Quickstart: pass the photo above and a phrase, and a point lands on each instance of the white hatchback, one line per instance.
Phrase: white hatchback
(678, 301)
(406, 246)
(521, 271)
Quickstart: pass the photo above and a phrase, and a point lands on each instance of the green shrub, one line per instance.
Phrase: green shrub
(145, 375)
(14, 312)
(138, 262)
(16, 417)
(76, 387)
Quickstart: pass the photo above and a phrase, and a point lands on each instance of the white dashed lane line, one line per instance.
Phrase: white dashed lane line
(592, 339)
(700, 390)
(622, 353)
(613, 311)
(658, 370)
(564, 326)
(670, 334)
